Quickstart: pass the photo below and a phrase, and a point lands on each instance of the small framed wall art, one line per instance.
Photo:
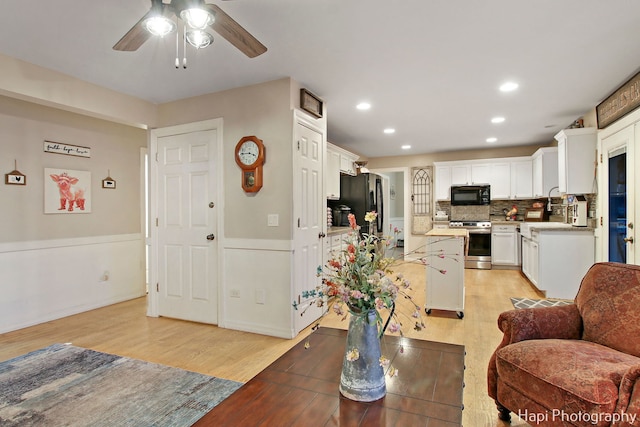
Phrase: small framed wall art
(15, 177)
(311, 103)
(109, 182)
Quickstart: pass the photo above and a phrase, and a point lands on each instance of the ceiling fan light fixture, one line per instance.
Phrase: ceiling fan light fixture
(159, 25)
(199, 39)
(197, 18)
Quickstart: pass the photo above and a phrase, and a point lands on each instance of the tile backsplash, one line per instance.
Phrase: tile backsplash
(497, 208)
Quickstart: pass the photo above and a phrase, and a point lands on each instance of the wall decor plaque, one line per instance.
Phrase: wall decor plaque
(620, 103)
(66, 149)
(311, 103)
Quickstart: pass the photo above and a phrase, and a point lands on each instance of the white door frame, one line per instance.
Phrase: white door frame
(217, 124)
(408, 238)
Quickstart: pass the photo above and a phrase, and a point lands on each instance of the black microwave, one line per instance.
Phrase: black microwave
(470, 195)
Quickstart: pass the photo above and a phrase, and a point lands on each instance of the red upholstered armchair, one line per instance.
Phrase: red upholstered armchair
(574, 365)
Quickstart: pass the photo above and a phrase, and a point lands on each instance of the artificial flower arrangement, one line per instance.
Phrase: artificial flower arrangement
(358, 277)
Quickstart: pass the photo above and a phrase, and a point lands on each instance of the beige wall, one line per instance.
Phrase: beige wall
(428, 159)
(29, 82)
(263, 110)
(114, 147)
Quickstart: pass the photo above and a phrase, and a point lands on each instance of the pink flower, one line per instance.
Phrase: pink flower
(443, 271)
(352, 221)
(394, 327)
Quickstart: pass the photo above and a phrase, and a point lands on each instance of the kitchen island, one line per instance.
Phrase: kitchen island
(446, 249)
(556, 256)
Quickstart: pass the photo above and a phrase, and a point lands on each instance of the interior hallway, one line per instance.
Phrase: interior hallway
(124, 329)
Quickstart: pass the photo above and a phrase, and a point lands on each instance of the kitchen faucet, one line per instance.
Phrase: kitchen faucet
(549, 198)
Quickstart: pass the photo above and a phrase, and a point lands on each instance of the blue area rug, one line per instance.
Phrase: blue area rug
(63, 385)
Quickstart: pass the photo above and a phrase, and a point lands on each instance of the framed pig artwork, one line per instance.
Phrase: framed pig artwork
(67, 191)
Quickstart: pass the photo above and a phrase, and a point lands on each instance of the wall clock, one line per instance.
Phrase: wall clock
(250, 157)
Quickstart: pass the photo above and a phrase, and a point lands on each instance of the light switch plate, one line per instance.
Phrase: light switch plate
(272, 220)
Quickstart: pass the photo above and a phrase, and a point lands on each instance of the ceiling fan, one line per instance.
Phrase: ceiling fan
(197, 16)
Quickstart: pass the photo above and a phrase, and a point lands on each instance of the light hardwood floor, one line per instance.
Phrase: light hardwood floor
(124, 329)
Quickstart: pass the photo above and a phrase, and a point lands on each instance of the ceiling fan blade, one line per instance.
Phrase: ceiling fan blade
(234, 33)
(137, 35)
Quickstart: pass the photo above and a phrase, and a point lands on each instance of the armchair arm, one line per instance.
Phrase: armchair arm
(629, 397)
(562, 322)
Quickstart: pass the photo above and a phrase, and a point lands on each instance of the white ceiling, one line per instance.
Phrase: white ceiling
(430, 68)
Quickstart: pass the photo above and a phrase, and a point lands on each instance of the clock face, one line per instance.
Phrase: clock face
(248, 153)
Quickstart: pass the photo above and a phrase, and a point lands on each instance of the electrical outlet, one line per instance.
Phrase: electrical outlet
(234, 293)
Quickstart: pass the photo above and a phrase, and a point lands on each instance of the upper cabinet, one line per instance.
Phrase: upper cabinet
(545, 171)
(506, 181)
(522, 178)
(339, 161)
(576, 160)
(332, 175)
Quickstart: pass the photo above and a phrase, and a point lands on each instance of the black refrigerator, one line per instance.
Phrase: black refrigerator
(363, 193)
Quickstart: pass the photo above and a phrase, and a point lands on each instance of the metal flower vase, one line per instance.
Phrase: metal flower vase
(363, 379)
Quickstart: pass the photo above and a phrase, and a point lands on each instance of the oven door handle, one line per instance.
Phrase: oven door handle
(480, 231)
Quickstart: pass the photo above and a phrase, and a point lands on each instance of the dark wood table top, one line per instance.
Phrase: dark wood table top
(301, 388)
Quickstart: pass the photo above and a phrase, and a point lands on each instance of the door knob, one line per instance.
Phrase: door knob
(629, 239)
(321, 235)
(211, 237)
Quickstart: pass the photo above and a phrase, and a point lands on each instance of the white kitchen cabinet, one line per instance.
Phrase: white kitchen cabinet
(332, 175)
(498, 173)
(445, 274)
(504, 245)
(481, 173)
(347, 160)
(522, 179)
(530, 259)
(500, 180)
(348, 164)
(576, 160)
(443, 182)
(460, 174)
(555, 257)
(545, 171)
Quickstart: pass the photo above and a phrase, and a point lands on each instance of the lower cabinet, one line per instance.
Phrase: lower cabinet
(530, 260)
(555, 261)
(505, 245)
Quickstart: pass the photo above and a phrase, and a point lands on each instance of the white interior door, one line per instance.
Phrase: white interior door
(310, 217)
(186, 226)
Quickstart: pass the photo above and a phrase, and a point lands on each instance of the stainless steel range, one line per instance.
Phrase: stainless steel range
(479, 253)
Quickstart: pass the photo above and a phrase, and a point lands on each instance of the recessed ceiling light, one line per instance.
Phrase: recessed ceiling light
(492, 140)
(508, 87)
(389, 131)
(497, 120)
(363, 106)
(406, 147)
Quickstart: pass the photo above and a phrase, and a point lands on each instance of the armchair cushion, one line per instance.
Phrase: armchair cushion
(568, 375)
(608, 302)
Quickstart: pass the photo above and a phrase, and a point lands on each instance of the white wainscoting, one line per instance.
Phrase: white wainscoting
(50, 279)
(257, 287)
